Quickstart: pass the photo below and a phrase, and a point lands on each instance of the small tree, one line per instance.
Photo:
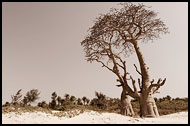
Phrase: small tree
(25, 101)
(67, 96)
(87, 101)
(31, 96)
(6, 104)
(43, 104)
(39, 104)
(54, 95)
(72, 99)
(62, 102)
(79, 101)
(168, 98)
(16, 98)
(59, 100)
(100, 101)
(53, 103)
(84, 100)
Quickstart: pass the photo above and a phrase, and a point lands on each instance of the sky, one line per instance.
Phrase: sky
(41, 50)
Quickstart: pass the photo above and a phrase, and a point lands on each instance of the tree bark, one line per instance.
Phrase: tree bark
(148, 106)
(143, 67)
(147, 103)
(126, 107)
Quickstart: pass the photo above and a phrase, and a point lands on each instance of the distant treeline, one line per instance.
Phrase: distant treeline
(101, 102)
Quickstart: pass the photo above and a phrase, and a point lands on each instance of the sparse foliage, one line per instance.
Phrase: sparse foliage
(16, 99)
(59, 100)
(84, 100)
(67, 96)
(43, 104)
(116, 35)
(79, 101)
(53, 103)
(31, 96)
(100, 101)
(72, 99)
(25, 100)
(168, 98)
(87, 101)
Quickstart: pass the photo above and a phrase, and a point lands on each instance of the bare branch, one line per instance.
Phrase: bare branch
(133, 83)
(119, 85)
(155, 87)
(131, 92)
(103, 65)
(140, 84)
(120, 29)
(118, 80)
(152, 81)
(120, 65)
(137, 70)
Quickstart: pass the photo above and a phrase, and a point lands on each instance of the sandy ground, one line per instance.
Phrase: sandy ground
(91, 117)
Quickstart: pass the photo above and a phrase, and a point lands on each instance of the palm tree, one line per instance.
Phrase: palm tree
(31, 96)
(59, 100)
(54, 95)
(67, 96)
(87, 101)
(16, 98)
(168, 98)
(101, 101)
(79, 101)
(44, 104)
(84, 99)
(62, 102)
(100, 96)
(72, 99)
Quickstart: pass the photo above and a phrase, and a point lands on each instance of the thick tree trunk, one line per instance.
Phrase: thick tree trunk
(143, 67)
(126, 107)
(148, 106)
(147, 103)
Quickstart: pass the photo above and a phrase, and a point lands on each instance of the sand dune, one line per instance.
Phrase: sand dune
(90, 117)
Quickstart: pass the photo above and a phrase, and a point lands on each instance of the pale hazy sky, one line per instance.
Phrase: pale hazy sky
(41, 50)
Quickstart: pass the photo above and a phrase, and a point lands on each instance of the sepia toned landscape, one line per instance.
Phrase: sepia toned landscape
(95, 63)
(99, 110)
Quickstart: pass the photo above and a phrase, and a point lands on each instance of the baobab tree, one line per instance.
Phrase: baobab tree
(104, 46)
(135, 24)
(117, 34)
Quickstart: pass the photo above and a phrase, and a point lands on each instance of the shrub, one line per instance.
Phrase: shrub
(84, 99)
(59, 100)
(100, 101)
(53, 103)
(43, 104)
(31, 96)
(72, 99)
(79, 101)
(6, 104)
(16, 98)
(87, 101)
(67, 96)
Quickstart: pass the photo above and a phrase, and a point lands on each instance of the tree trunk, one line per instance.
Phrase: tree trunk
(147, 103)
(143, 67)
(126, 107)
(148, 106)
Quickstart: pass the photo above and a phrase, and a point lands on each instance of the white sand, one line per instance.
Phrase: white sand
(91, 117)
